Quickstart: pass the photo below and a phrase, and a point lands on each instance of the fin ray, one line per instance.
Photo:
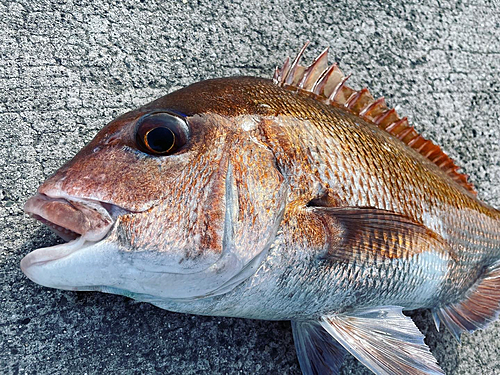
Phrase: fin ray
(478, 309)
(384, 340)
(380, 233)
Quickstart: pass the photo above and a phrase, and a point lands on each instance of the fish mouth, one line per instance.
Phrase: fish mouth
(71, 217)
(82, 222)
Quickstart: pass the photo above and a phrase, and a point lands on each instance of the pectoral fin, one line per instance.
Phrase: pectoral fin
(359, 231)
(384, 340)
(318, 352)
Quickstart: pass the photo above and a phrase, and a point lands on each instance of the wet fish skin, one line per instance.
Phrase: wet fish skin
(279, 207)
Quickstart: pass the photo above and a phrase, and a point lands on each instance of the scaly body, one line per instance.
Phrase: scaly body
(316, 144)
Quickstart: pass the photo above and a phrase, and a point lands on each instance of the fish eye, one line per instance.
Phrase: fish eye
(161, 133)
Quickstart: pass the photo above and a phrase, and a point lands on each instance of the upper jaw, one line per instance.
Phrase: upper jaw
(72, 217)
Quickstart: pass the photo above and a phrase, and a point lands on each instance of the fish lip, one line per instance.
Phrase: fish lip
(45, 255)
(73, 217)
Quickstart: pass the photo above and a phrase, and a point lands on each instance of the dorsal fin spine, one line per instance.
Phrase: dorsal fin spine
(291, 74)
(370, 107)
(328, 85)
(323, 79)
(284, 70)
(337, 89)
(356, 97)
(444, 165)
(276, 75)
(380, 119)
(314, 71)
(402, 135)
(391, 128)
(438, 159)
(415, 140)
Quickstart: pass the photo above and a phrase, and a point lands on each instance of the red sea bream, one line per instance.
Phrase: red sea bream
(296, 198)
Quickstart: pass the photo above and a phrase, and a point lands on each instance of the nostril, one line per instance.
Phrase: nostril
(113, 140)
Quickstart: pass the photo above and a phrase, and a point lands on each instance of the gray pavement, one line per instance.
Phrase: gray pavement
(67, 68)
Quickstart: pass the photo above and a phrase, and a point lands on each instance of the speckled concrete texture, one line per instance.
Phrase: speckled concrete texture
(69, 67)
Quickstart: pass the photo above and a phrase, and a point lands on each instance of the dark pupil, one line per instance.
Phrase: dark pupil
(160, 139)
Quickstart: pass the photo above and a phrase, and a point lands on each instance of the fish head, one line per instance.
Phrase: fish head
(179, 199)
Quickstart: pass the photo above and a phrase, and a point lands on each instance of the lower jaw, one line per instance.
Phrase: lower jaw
(47, 254)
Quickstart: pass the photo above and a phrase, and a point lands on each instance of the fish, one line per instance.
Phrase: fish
(293, 198)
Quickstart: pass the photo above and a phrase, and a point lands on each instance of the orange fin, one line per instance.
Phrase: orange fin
(480, 307)
(328, 84)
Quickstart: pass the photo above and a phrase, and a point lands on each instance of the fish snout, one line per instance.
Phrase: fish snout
(70, 217)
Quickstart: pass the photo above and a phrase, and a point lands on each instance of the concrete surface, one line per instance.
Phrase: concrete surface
(67, 68)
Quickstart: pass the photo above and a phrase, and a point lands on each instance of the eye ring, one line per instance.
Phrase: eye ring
(161, 133)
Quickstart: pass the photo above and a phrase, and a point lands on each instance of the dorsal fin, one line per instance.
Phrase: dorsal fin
(328, 84)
